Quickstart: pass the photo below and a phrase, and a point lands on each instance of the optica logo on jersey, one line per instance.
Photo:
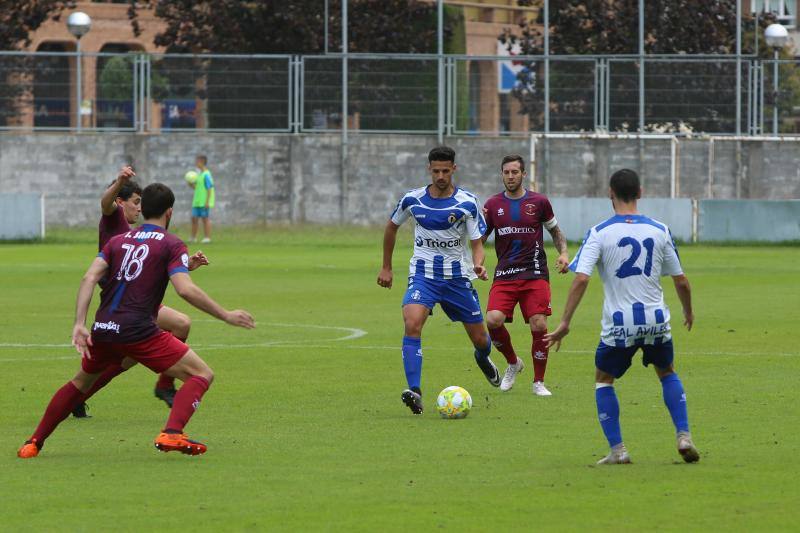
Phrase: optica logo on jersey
(433, 243)
(510, 229)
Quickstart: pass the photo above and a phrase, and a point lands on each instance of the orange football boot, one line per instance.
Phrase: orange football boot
(29, 450)
(179, 442)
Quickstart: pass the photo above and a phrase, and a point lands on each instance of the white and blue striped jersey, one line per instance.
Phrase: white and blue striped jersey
(631, 252)
(443, 231)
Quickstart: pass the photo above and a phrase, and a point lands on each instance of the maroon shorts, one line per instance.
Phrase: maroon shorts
(157, 353)
(532, 295)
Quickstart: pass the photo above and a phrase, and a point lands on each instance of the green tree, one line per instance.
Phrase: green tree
(18, 20)
(252, 93)
(698, 93)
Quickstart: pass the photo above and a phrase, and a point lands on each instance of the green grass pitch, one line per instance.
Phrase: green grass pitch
(306, 430)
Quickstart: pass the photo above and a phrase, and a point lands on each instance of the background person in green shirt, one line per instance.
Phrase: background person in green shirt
(203, 200)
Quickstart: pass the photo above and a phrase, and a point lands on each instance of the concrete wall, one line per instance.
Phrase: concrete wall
(767, 221)
(298, 178)
(21, 216)
(576, 215)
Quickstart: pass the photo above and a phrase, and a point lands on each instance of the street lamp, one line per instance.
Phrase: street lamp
(79, 24)
(777, 37)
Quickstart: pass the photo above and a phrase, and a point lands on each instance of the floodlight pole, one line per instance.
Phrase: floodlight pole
(546, 66)
(776, 93)
(79, 87)
(78, 24)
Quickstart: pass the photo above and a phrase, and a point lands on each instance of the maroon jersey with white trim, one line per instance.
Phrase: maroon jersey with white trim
(140, 263)
(518, 225)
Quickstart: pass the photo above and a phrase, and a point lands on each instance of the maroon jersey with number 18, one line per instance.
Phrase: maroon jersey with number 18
(140, 262)
(519, 225)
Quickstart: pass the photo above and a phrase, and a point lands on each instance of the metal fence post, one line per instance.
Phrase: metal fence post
(738, 67)
(440, 68)
(641, 66)
(344, 183)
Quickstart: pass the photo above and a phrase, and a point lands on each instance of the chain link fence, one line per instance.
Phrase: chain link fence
(451, 95)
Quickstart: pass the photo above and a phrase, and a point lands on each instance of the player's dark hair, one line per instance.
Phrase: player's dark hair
(625, 184)
(156, 199)
(442, 153)
(129, 189)
(510, 158)
(203, 158)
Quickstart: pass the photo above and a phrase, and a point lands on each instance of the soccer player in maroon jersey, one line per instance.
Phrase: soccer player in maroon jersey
(120, 206)
(133, 270)
(517, 217)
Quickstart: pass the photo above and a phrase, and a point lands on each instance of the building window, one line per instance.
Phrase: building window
(780, 8)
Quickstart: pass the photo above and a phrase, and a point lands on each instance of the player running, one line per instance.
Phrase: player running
(441, 270)
(631, 252)
(517, 216)
(133, 270)
(121, 206)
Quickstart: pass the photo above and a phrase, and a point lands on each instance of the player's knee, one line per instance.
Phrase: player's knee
(413, 327)
(495, 319)
(538, 323)
(182, 326)
(206, 373)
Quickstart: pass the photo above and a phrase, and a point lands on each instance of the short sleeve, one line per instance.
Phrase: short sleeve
(208, 182)
(672, 261)
(105, 253)
(402, 212)
(476, 224)
(178, 259)
(588, 255)
(488, 219)
(548, 217)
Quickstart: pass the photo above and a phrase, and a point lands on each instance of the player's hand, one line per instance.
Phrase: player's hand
(554, 337)
(197, 260)
(480, 271)
(385, 278)
(81, 340)
(126, 174)
(240, 318)
(688, 320)
(562, 264)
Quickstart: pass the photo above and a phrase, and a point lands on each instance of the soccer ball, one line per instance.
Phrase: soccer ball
(454, 402)
(191, 177)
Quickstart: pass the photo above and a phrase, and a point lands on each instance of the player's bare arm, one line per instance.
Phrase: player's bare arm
(576, 292)
(108, 200)
(560, 242)
(81, 338)
(193, 294)
(684, 291)
(478, 258)
(389, 240)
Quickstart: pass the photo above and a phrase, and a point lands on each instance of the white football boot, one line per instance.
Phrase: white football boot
(540, 390)
(686, 447)
(617, 456)
(511, 375)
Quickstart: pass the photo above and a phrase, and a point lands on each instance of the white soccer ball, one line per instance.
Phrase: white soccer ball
(454, 402)
(191, 177)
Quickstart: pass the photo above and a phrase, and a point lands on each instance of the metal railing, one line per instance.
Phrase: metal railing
(430, 94)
